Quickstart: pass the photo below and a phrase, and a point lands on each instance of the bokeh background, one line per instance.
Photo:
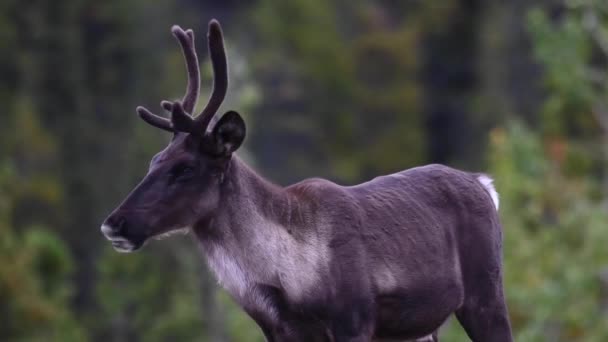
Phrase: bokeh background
(344, 89)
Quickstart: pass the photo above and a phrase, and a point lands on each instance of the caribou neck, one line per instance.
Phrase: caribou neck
(257, 235)
(247, 199)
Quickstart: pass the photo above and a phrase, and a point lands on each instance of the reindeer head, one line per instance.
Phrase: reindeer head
(182, 184)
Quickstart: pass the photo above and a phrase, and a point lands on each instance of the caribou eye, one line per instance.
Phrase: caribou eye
(182, 171)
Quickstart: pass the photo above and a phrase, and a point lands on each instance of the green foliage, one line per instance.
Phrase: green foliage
(555, 245)
(153, 303)
(570, 49)
(336, 94)
(241, 327)
(35, 269)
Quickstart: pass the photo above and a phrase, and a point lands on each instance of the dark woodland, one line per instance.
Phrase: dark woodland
(344, 90)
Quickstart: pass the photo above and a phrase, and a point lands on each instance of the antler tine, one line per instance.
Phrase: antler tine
(186, 41)
(154, 119)
(181, 120)
(217, 53)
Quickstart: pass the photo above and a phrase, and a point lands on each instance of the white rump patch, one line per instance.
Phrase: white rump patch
(487, 184)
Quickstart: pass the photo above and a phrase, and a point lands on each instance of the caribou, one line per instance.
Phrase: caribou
(386, 260)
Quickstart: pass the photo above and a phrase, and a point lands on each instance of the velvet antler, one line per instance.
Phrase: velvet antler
(181, 120)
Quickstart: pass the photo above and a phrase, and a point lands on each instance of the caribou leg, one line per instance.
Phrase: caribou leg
(483, 314)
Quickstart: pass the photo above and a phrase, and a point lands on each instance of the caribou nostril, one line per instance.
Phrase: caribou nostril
(115, 225)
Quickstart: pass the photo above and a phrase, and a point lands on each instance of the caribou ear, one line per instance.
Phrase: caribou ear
(228, 134)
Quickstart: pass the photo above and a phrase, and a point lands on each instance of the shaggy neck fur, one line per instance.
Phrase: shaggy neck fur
(255, 223)
(255, 195)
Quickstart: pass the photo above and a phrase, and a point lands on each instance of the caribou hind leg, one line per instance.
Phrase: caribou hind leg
(486, 320)
(483, 315)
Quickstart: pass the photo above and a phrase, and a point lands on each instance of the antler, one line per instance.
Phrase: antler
(220, 72)
(180, 120)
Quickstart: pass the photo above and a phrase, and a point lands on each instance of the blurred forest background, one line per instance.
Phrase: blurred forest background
(344, 89)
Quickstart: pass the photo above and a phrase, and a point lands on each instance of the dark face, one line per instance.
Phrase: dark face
(181, 188)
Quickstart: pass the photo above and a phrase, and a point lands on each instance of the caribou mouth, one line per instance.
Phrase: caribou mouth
(120, 243)
(124, 246)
